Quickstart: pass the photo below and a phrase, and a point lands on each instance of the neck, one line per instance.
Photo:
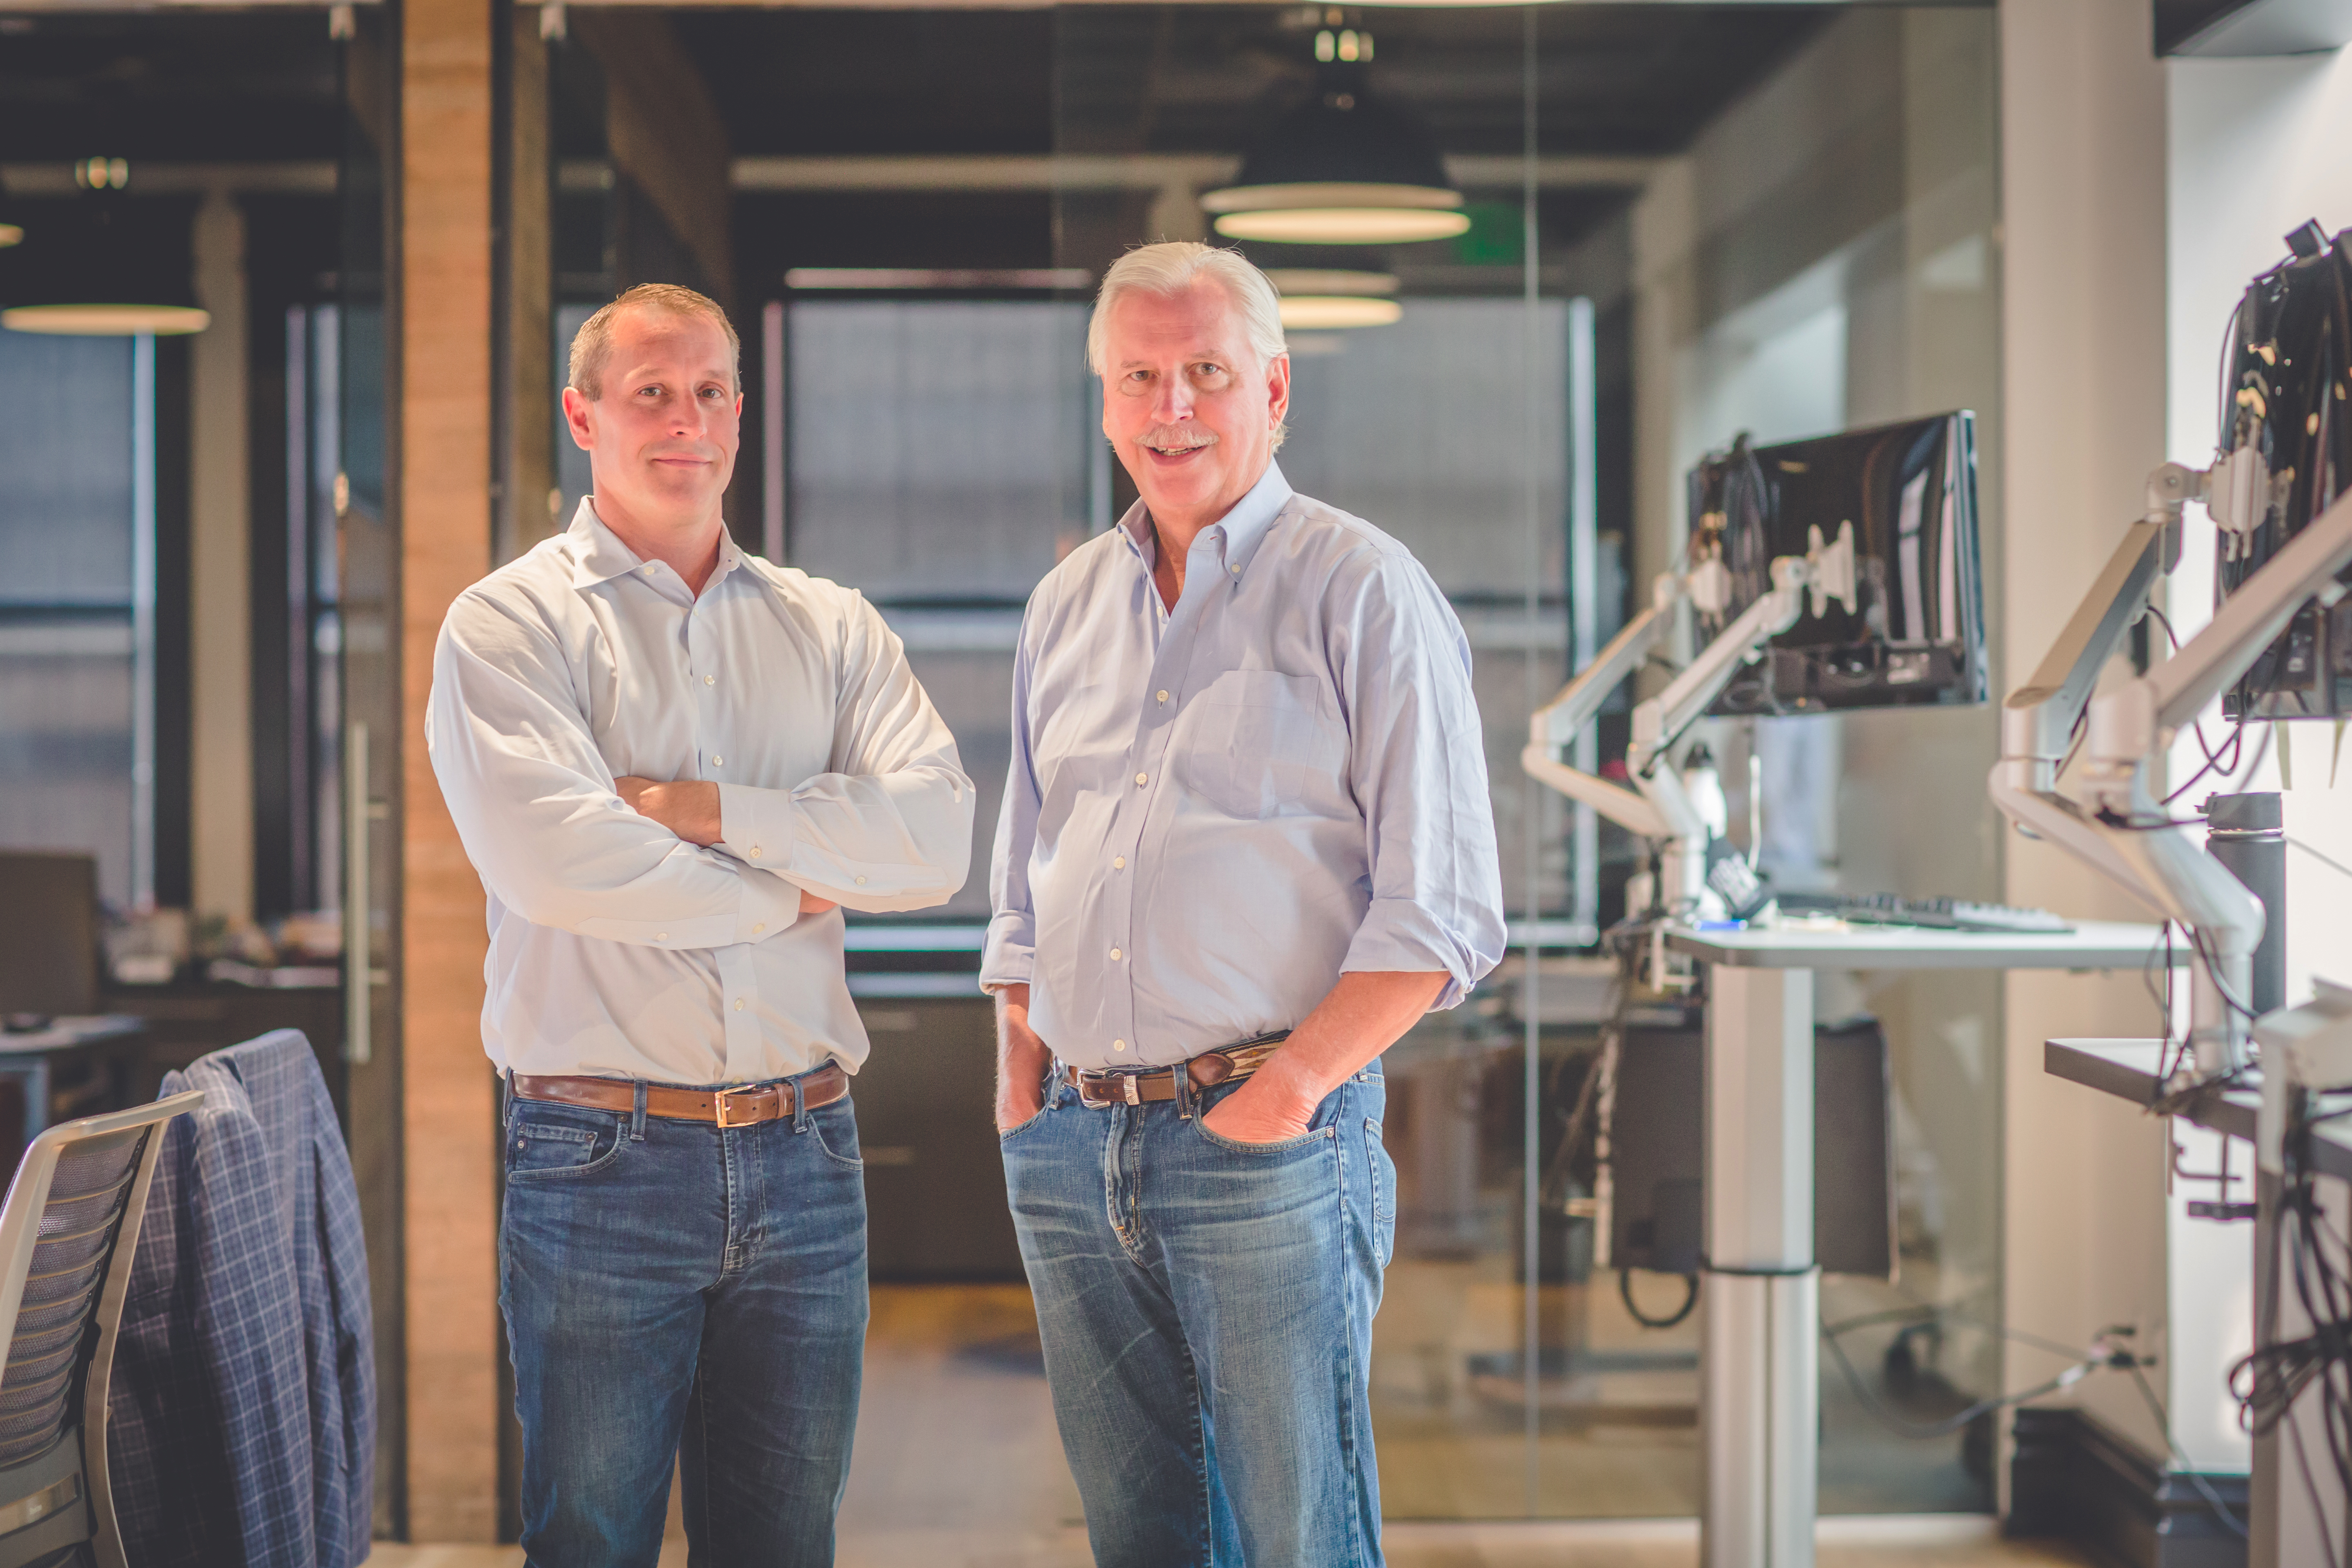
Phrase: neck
(689, 547)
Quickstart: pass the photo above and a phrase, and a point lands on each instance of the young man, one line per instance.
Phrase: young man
(669, 761)
(1246, 843)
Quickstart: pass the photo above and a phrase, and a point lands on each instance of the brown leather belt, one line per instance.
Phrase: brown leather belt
(1223, 1065)
(727, 1107)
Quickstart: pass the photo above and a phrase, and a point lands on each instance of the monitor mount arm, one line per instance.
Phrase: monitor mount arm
(1657, 807)
(2120, 828)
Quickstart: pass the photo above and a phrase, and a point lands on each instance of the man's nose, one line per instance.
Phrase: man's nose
(1174, 402)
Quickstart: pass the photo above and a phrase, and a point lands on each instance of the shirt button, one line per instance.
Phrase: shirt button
(861, 881)
(755, 852)
(709, 679)
(1163, 696)
(1114, 955)
(661, 936)
(1118, 1045)
(739, 1003)
(1141, 777)
(1237, 570)
(1118, 863)
(717, 762)
(758, 927)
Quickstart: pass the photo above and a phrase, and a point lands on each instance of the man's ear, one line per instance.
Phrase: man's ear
(1277, 384)
(575, 418)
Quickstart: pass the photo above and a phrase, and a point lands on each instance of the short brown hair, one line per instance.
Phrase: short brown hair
(594, 343)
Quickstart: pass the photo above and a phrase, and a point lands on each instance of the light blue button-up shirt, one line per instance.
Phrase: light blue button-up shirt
(1213, 813)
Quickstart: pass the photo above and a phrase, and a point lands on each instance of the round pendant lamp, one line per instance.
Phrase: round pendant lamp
(102, 265)
(1346, 167)
(1327, 299)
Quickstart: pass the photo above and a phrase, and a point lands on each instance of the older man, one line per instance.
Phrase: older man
(669, 761)
(1246, 843)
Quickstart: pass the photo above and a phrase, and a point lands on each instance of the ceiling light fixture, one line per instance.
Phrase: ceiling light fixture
(10, 234)
(1346, 167)
(1319, 298)
(104, 264)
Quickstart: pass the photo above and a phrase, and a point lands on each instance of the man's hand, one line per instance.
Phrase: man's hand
(1268, 1108)
(689, 809)
(1021, 1060)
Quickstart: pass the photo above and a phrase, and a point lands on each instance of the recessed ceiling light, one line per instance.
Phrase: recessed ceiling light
(1323, 311)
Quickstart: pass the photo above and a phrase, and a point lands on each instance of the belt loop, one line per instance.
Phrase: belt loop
(802, 1116)
(506, 1097)
(1182, 1077)
(638, 1117)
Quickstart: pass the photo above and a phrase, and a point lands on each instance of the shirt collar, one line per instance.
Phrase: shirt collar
(598, 557)
(1245, 526)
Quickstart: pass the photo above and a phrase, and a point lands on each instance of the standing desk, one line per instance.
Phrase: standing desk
(2287, 1522)
(1759, 1358)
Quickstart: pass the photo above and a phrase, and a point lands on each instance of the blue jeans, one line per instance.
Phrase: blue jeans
(677, 1289)
(1206, 1308)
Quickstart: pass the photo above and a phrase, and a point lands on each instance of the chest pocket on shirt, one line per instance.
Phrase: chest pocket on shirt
(1257, 739)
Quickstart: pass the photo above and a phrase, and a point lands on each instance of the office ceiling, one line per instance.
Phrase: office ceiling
(1638, 79)
(215, 87)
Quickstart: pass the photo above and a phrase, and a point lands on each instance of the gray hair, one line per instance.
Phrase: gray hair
(1173, 265)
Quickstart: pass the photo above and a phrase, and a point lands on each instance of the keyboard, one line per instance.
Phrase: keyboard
(1939, 915)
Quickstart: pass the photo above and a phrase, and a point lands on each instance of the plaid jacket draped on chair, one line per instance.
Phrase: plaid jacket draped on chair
(243, 1401)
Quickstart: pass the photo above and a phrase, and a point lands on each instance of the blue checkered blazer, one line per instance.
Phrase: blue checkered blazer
(243, 1411)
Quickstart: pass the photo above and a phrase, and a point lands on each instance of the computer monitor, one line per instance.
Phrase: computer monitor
(1906, 494)
(48, 933)
(2289, 358)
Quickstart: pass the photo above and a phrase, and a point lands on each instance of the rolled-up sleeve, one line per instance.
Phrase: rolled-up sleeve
(536, 808)
(888, 828)
(1418, 766)
(1009, 956)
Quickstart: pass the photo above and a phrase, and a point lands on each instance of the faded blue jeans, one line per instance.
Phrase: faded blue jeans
(1206, 1309)
(677, 1291)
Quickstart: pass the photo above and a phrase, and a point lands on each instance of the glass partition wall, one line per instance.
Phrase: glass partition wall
(1654, 249)
(1658, 237)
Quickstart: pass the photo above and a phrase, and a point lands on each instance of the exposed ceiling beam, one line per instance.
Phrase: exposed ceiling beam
(1111, 171)
(307, 177)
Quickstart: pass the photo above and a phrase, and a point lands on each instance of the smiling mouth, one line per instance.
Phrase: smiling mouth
(1184, 451)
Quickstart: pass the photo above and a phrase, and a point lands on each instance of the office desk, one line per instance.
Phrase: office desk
(76, 1066)
(1760, 1360)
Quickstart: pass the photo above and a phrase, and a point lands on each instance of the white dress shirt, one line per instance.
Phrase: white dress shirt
(617, 947)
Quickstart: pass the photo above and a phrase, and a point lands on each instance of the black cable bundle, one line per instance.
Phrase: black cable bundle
(2269, 1381)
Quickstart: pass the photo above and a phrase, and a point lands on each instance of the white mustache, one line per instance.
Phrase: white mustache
(1177, 438)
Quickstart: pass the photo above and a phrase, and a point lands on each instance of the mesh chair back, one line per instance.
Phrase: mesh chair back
(69, 1233)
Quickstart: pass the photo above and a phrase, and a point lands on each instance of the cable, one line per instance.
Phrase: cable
(2333, 865)
(1690, 1301)
(1953, 1422)
(2230, 1522)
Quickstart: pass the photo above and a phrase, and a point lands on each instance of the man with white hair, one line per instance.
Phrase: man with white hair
(1246, 843)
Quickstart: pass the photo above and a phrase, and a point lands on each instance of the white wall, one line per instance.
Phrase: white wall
(2254, 149)
(2082, 268)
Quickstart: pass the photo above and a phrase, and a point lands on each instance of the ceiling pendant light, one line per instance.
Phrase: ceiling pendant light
(1346, 167)
(104, 264)
(1320, 299)
(10, 234)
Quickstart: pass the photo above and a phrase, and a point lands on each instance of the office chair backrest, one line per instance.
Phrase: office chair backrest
(68, 1232)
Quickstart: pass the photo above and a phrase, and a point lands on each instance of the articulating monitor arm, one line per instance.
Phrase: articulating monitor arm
(1657, 807)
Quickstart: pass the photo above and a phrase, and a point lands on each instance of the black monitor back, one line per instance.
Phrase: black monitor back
(1916, 633)
(1656, 1157)
(48, 933)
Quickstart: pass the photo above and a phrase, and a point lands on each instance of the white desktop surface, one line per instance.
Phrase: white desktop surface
(2092, 944)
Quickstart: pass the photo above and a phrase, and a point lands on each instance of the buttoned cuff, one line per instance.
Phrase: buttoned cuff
(769, 905)
(1397, 935)
(1009, 955)
(755, 825)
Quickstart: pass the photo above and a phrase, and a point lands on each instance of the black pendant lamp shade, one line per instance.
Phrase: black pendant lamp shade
(1346, 167)
(104, 263)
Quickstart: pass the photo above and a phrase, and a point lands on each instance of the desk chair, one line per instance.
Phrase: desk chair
(68, 1235)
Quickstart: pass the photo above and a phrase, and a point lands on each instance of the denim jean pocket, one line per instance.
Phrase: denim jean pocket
(543, 1144)
(1383, 1176)
(834, 1128)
